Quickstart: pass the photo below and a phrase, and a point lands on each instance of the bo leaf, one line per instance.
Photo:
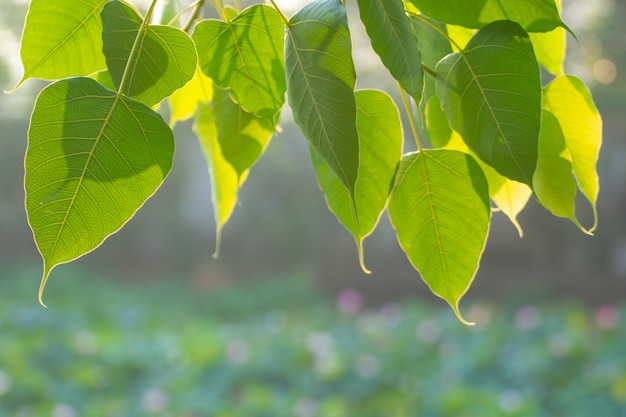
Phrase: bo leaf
(62, 39)
(491, 93)
(87, 173)
(321, 80)
(439, 207)
(532, 15)
(387, 24)
(164, 58)
(245, 54)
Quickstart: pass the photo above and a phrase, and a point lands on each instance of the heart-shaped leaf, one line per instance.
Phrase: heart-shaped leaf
(532, 15)
(245, 54)
(491, 93)
(164, 58)
(62, 38)
(569, 100)
(321, 80)
(87, 173)
(440, 210)
(183, 102)
(380, 141)
(387, 24)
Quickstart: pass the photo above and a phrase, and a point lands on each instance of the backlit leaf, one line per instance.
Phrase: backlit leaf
(387, 24)
(439, 208)
(232, 140)
(87, 173)
(62, 38)
(184, 101)
(569, 100)
(553, 181)
(245, 54)
(491, 93)
(164, 59)
(321, 80)
(532, 15)
(380, 138)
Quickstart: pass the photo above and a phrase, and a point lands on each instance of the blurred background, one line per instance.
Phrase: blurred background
(285, 322)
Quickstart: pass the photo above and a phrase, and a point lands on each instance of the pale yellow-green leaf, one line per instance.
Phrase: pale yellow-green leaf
(184, 101)
(569, 100)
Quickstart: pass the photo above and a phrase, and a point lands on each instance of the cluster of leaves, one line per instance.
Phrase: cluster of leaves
(116, 355)
(98, 149)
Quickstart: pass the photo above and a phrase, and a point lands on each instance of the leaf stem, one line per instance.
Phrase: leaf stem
(194, 16)
(282, 16)
(431, 72)
(220, 10)
(409, 113)
(134, 52)
(436, 27)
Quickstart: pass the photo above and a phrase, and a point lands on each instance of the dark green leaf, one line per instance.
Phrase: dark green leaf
(491, 93)
(392, 38)
(321, 80)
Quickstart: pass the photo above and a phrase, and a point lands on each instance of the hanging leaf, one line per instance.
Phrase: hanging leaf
(184, 101)
(553, 181)
(87, 173)
(380, 141)
(569, 100)
(550, 47)
(532, 15)
(321, 80)
(62, 38)
(232, 140)
(439, 208)
(491, 93)
(245, 54)
(164, 58)
(387, 24)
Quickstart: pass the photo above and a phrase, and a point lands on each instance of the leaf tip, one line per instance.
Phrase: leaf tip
(218, 243)
(42, 286)
(364, 268)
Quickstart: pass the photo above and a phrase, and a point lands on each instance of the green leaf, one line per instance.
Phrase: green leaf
(532, 15)
(569, 100)
(232, 140)
(164, 58)
(553, 181)
(389, 30)
(321, 80)
(87, 173)
(439, 208)
(491, 93)
(245, 54)
(62, 38)
(380, 139)
(550, 49)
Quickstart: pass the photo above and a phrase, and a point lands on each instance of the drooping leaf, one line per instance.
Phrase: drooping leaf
(184, 101)
(232, 140)
(491, 93)
(380, 139)
(439, 208)
(569, 100)
(508, 195)
(553, 181)
(532, 15)
(164, 58)
(87, 173)
(245, 54)
(62, 39)
(387, 24)
(550, 47)
(321, 80)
